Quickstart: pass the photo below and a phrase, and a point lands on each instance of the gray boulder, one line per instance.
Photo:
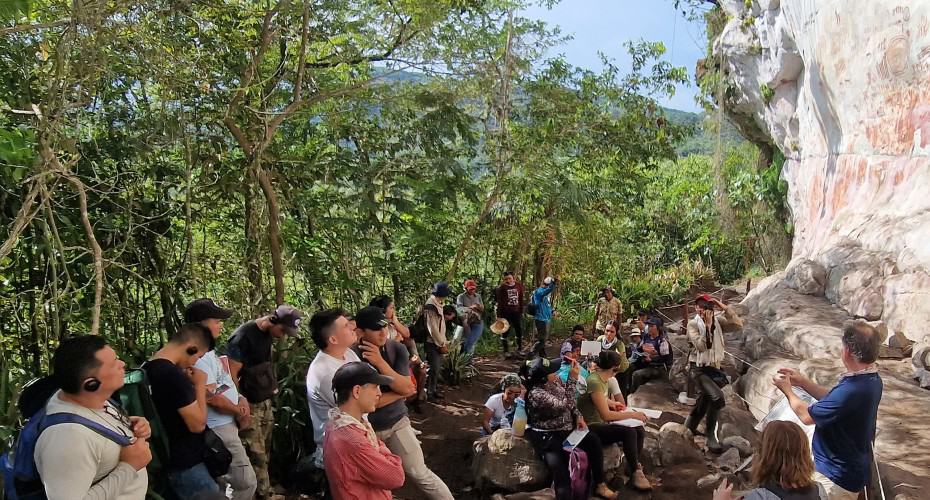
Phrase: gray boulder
(738, 442)
(729, 460)
(517, 469)
(807, 277)
(677, 446)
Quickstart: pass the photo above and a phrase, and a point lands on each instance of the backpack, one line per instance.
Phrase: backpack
(20, 476)
(419, 331)
(578, 473)
(532, 308)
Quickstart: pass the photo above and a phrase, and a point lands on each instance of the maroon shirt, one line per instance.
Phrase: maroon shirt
(509, 299)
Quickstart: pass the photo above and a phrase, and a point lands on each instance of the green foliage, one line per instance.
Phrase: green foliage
(766, 92)
(457, 367)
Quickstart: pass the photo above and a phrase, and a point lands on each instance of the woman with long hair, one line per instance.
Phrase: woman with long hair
(599, 412)
(783, 468)
(551, 416)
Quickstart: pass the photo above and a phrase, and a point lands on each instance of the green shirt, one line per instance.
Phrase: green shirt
(586, 404)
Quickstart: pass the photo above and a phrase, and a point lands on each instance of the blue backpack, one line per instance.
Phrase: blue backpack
(21, 479)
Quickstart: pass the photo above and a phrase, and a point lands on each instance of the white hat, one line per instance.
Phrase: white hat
(636, 331)
(548, 280)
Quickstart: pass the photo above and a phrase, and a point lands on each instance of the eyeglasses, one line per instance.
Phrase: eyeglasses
(120, 416)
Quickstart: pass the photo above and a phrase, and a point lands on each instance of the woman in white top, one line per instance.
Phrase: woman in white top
(498, 411)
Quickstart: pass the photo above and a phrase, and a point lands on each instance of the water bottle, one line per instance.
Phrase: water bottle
(519, 418)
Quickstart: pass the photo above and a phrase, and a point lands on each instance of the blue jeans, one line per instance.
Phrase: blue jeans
(472, 334)
(189, 483)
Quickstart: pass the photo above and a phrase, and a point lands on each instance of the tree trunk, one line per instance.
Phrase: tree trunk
(253, 263)
(274, 232)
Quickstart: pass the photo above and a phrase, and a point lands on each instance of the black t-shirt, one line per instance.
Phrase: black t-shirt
(171, 391)
(251, 346)
(399, 358)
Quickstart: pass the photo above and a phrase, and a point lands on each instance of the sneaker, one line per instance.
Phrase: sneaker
(604, 492)
(639, 480)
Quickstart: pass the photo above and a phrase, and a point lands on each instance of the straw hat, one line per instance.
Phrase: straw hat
(500, 326)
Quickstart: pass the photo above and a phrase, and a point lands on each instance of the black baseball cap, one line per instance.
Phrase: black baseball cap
(371, 318)
(202, 309)
(356, 373)
(288, 317)
(441, 289)
(540, 368)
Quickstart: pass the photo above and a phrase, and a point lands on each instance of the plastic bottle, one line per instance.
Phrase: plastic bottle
(519, 418)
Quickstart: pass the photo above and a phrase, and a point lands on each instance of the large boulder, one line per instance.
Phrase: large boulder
(806, 276)
(677, 446)
(517, 469)
(856, 280)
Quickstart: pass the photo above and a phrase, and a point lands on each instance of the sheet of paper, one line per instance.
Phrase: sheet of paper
(782, 411)
(649, 413)
(590, 347)
(630, 422)
(574, 438)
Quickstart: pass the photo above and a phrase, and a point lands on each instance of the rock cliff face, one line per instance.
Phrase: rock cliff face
(842, 87)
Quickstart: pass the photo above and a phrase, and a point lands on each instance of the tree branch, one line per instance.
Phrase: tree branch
(402, 38)
(23, 218)
(31, 27)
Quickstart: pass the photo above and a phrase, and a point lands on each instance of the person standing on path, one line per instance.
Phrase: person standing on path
(250, 363)
(334, 336)
(705, 332)
(608, 309)
(390, 420)
(510, 305)
(471, 309)
(844, 416)
(226, 408)
(542, 299)
(358, 465)
(436, 345)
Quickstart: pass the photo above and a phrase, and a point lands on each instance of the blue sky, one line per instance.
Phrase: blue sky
(604, 25)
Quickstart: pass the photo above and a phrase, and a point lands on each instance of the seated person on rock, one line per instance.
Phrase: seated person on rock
(782, 469)
(611, 341)
(576, 337)
(599, 412)
(551, 416)
(500, 407)
(569, 353)
(656, 352)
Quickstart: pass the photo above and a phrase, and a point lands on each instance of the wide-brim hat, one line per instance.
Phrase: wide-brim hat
(500, 326)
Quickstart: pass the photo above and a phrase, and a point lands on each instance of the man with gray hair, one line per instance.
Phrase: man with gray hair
(844, 416)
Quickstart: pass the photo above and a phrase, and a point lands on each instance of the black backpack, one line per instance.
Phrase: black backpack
(419, 332)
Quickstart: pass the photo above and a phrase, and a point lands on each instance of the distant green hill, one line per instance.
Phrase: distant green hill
(703, 141)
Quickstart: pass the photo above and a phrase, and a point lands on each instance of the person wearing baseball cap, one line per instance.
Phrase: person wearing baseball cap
(706, 335)
(390, 420)
(471, 309)
(608, 309)
(250, 364)
(357, 463)
(227, 410)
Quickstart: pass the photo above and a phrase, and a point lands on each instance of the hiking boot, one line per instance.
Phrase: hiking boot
(710, 432)
(639, 481)
(692, 426)
(604, 492)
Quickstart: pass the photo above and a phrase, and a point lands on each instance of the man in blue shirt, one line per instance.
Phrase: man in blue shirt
(542, 299)
(844, 416)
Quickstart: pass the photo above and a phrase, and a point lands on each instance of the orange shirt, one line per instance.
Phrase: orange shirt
(356, 469)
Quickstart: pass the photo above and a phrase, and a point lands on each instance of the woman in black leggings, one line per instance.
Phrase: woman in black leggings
(552, 415)
(599, 411)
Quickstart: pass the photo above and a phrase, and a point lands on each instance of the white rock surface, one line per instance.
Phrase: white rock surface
(842, 87)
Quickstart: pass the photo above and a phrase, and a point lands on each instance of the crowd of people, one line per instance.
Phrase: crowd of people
(367, 375)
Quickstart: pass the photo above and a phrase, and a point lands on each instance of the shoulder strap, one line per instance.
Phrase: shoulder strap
(71, 418)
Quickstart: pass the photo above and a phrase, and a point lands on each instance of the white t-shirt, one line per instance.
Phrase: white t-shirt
(613, 387)
(496, 405)
(320, 393)
(216, 374)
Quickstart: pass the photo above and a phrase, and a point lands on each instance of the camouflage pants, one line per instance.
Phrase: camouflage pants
(257, 439)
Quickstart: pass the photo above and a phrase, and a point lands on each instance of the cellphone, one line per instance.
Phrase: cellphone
(220, 390)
